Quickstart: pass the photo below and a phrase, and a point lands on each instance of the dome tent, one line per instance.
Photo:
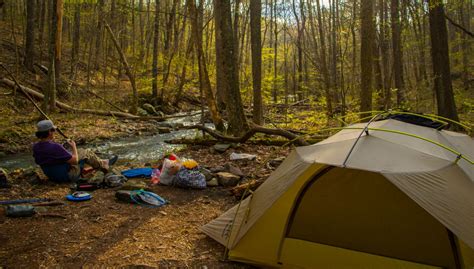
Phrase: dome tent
(396, 195)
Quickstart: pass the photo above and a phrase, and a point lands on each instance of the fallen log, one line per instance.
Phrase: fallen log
(67, 107)
(295, 139)
(64, 106)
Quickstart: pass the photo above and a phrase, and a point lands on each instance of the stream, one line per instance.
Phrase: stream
(129, 149)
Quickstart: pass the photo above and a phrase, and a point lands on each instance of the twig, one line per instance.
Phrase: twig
(459, 26)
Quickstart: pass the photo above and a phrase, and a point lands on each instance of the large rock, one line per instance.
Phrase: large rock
(227, 179)
(150, 109)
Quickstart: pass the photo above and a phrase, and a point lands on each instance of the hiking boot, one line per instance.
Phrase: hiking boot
(113, 160)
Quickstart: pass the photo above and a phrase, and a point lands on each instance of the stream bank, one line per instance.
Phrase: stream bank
(133, 141)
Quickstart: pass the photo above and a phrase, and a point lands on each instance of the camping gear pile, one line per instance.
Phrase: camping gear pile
(383, 194)
(183, 173)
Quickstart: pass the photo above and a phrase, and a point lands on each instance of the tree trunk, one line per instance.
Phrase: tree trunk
(384, 54)
(221, 89)
(58, 40)
(397, 52)
(42, 20)
(440, 58)
(366, 55)
(275, 53)
(98, 40)
(255, 30)
(76, 38)
(464, 13)
(30, 35)
(154, 83)
(49, 102)
(324, 66)
(204, 81)
(237, 121)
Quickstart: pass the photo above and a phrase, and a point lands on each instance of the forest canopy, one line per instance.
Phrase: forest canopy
(254, 56)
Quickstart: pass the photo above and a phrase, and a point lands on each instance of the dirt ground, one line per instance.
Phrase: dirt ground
(104, 232)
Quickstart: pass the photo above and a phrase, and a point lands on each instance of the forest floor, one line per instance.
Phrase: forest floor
(106, 232)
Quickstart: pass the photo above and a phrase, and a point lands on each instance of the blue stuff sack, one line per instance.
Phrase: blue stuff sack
(190, 178)
(137, 172)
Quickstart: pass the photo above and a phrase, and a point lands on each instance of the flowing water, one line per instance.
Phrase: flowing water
(129, 149)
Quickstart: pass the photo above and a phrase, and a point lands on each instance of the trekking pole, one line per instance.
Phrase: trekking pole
(30, 98)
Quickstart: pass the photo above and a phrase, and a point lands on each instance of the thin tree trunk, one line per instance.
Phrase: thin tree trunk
(397, 52)
(255, 35)
(324, 66)
(76, 38)
(154, 71)
(30, 35)
(275, 54)
(42, 20)
(128, 70)
(98, 40)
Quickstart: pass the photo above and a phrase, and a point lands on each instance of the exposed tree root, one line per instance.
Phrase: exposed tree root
(295, 139)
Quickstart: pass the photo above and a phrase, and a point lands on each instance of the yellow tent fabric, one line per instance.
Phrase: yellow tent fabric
(396, 203)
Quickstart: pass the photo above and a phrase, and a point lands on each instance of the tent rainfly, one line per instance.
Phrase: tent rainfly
(391, 195)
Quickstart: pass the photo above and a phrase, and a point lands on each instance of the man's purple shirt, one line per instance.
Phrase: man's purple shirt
(49, 153)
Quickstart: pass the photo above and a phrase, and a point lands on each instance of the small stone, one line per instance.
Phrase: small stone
(206, 172)
(213, 182)
(217, 169)
(178, 125)
(164, 130)
(233, 170)
(142, 112)
(164, 124)
(276, 162)
(221, 148)
(163, 213)
(227, 179)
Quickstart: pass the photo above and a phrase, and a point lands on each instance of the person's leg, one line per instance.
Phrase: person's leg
(92, 159)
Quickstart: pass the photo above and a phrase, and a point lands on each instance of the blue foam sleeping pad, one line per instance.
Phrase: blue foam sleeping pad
(137, 172)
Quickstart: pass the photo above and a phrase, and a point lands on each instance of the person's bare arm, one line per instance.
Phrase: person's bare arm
(75, 158)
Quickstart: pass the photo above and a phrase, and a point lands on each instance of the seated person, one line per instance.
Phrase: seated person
(59, 164)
